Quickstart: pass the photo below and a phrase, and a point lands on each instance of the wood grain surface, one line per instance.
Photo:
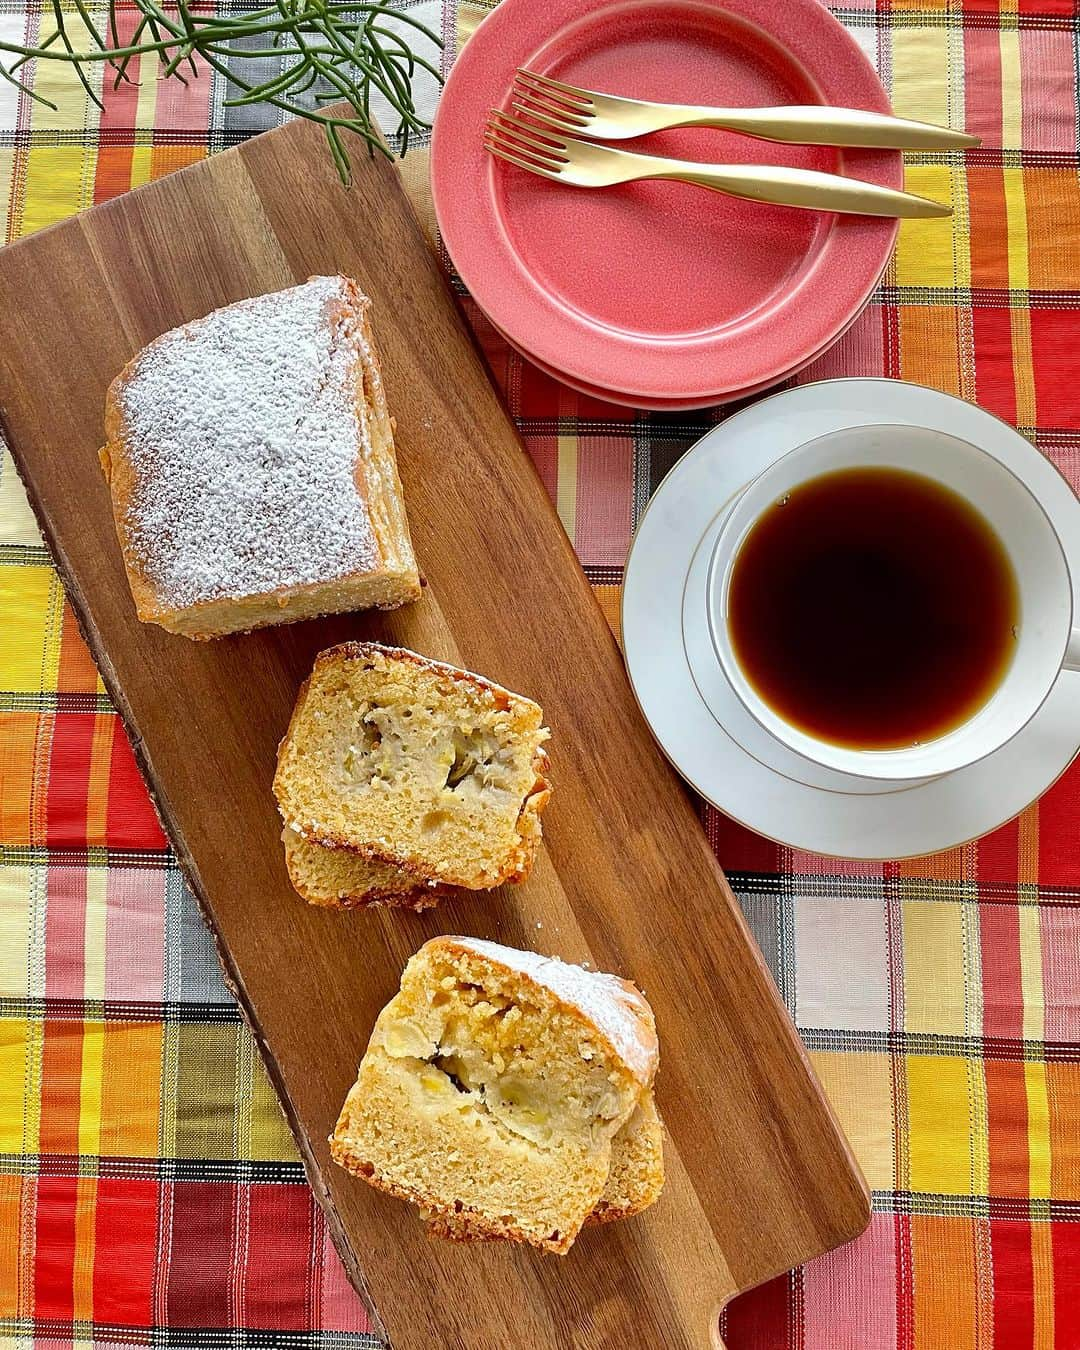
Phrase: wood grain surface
(759, 1176)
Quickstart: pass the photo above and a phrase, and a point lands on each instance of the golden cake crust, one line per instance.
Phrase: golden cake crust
(358, 882)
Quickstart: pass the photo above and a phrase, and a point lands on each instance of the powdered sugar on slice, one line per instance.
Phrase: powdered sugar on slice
(243, 433)
(614, 1005)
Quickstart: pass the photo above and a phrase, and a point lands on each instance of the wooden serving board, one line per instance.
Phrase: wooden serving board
(759, 1175)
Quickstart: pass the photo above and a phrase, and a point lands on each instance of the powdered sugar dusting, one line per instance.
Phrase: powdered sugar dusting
(243, 433)
(616, 1007)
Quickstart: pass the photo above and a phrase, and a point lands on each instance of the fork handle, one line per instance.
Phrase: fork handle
(787, 187)
(816, 125)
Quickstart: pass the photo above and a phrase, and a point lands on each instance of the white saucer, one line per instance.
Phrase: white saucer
(693, 712)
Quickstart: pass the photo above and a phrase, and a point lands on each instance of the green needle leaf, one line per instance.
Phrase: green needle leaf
(336, 51)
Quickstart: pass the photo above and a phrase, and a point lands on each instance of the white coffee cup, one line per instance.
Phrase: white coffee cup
(1046, 642)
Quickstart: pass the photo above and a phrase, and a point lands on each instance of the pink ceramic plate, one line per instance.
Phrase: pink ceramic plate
(661, 291)
(668, 404)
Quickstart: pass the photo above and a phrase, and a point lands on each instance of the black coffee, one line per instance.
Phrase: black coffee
(873, 608)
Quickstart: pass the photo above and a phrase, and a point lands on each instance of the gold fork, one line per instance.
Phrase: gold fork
(606, 117)
(584, 164)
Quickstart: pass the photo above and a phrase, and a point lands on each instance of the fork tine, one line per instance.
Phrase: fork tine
(551, 145)
(525, 85)
(554, 114)
(515, 123)
(492, 137)
(521, 145)
(521, 163)
(523, 157)
(569, 91)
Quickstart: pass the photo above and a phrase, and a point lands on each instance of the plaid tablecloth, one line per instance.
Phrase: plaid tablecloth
(149, 1191)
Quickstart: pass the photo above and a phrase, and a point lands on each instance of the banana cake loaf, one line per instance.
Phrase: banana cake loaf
(250, 456)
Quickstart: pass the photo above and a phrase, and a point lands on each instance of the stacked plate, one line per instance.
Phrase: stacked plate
(656, 294)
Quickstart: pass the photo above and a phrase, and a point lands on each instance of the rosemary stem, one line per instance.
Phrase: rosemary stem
(340, 49)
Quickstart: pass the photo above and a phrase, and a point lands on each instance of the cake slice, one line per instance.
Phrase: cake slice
(634, 1181)
(250, 456)
(338, 878)
(636, 1177)
(416, 764)
(493, 1087)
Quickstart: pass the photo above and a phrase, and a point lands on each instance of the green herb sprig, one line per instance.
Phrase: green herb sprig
(329, 52)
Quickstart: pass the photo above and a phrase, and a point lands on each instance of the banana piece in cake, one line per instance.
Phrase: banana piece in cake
(250, 456)
(634, 1182)
(408, 762)
(493, 1088)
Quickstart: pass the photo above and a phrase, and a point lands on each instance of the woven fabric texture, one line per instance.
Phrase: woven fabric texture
(149, 1192)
